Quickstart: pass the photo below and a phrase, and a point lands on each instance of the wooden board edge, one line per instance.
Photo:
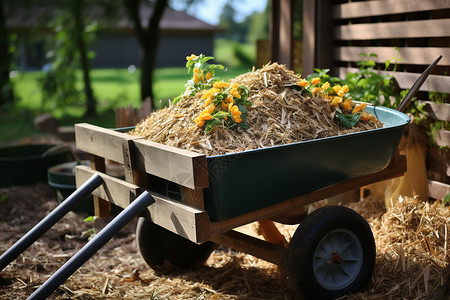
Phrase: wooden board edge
(114, 190)
(102, 142)
(438, 190)
(183, 167)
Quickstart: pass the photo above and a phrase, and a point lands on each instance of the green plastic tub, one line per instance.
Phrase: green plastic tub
(62, 179)
(27, 164)
(243, 182)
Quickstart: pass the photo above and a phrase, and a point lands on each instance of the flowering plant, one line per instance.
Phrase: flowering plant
(226, 104)
(347, 112)
(203, 75)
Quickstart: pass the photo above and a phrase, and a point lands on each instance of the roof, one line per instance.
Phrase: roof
(27, 17)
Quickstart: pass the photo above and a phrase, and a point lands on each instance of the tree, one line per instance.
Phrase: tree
(6, 91)
(148, 40)
(70, 53)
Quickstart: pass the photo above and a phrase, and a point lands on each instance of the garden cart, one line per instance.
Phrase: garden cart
(188, 202)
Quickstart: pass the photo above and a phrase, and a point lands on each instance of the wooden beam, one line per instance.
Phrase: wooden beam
(241, 242)
(281, 32)
(175, 216)
(184, 167)
(393, 30)
(434, 83)
(437, 190)
(385, 7)
(113, 190)
(408, 55)
(309, 38)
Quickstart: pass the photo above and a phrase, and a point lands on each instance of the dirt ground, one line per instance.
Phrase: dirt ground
(118, 272)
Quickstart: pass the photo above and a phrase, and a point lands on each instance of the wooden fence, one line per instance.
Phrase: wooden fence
(335, 32)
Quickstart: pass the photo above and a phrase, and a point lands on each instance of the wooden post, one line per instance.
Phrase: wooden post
(102, 207)
(309, 38)
(281, 32)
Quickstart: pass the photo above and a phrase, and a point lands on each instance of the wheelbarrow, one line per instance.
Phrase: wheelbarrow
(188, 202)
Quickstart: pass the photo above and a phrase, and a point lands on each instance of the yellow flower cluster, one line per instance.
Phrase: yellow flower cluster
(224, 94)
(335, 94)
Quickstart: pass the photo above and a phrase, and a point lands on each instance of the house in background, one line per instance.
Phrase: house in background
(115, 45)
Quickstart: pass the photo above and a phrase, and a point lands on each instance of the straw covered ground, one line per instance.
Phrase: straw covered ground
(411, 238)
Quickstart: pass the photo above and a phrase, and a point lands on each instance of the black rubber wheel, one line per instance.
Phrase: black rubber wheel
(332, 253)
(157, 244)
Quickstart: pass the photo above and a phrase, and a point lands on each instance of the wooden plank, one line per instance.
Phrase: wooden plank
(175, 216)
(435, 83)
(102, 208)
(392, 30)
(438, 190)
(184, 167)
(409, 55)
(437, 111)
(116, 191)
(397, 167)
(184, 220)
(241, 242)
(102, 142)
(192, 197)
(386, 7)
(308, 33)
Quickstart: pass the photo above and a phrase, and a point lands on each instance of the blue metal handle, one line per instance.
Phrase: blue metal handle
(60, 276)
(45, 224)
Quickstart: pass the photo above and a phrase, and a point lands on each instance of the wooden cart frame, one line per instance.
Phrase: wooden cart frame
(188, 169)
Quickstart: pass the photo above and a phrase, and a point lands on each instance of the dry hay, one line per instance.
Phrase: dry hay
(405, 267)
(279, 115)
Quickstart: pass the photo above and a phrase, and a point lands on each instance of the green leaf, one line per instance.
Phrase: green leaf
(348, 120)
(447, 199)
(213, 122)
(90, 219)
(4, 198)
(387, 63)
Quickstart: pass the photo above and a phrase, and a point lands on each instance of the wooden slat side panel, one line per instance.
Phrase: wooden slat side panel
(386, 7)
(436, 83)
(186, 168)
(408, 55)
(179, 218)
(102, 142)
(116, 191)
(393, 30)
(438, 190)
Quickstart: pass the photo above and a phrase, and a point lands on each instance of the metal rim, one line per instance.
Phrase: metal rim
(338, 259)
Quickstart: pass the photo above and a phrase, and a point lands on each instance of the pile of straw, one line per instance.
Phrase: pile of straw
(279, 115)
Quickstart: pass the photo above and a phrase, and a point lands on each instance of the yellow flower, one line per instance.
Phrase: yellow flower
(208, 76)
(359, 108)
(206, 94)
(303, 83)
(234, 92)
(341, 93)
(326, 85)
(208, 101)
(234, 86)
(235, 112)
(220, 84)
(196, 78)
(336, 101)
(345, 88)
(347, 104)
(336, 88)
(210, 108)
(315, 90)
(315, 80)
(193, 56)
(229, 99)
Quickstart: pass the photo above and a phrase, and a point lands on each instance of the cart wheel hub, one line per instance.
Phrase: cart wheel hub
(336, 259)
